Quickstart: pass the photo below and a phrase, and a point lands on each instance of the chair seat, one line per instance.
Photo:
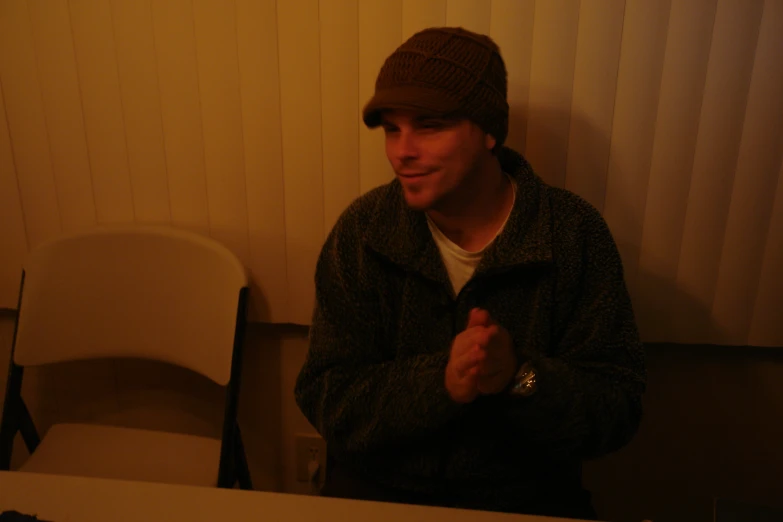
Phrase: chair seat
(126, 453)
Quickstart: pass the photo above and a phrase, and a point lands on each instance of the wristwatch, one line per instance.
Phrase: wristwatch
(524, 382)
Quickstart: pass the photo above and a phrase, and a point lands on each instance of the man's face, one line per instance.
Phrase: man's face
(434, 158)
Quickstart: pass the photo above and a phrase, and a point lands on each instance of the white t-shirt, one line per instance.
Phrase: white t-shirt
(460, 263)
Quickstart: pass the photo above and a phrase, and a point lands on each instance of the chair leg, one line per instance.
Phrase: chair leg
(226, 474)
(14, 414)
(27, 428)
(240, 461)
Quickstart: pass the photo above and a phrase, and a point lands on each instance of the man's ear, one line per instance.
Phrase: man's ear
(490, 141)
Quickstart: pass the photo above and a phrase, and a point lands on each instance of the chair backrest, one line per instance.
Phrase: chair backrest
(147, 292)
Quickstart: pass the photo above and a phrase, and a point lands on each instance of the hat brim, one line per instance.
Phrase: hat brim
(417, 98)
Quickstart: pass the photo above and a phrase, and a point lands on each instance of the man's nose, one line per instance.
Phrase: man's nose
(405, 145)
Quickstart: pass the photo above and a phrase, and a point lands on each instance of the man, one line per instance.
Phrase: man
(473, 340)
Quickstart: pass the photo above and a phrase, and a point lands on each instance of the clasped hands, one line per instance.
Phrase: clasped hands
(482, 359)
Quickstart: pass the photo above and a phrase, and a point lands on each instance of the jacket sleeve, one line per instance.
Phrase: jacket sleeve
(589, 387)
(352, 389)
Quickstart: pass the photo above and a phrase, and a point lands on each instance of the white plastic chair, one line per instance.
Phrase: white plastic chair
(152, 293)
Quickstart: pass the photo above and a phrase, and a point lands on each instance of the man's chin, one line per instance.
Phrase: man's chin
(418, 204)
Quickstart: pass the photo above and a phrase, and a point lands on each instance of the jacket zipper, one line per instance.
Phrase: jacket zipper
(445, 448)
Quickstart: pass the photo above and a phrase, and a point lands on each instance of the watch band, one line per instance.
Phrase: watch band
(524, 382)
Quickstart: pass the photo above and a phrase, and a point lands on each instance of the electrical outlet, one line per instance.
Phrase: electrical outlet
(309, 447)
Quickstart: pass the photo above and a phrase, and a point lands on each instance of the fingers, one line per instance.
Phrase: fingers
(470, 362)
(481, 334)
(471, 377)
(492, 377)
(473, 318)
(490, 367)
(476, 359)
(478, 317)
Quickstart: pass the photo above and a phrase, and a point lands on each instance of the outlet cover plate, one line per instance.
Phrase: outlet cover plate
(309, 446)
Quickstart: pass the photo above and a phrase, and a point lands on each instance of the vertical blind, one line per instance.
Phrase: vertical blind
(239, 119)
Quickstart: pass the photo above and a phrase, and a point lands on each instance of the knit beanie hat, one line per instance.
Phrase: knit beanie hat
(445, 71)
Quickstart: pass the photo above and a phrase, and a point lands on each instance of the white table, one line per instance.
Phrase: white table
(78, 499)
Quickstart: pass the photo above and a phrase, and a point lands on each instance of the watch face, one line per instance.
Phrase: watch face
(525, 381)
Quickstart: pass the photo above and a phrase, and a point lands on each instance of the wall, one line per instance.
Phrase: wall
(240, 119)
(712, 427)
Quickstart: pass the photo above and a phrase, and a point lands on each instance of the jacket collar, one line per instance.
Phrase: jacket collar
(402, 236)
